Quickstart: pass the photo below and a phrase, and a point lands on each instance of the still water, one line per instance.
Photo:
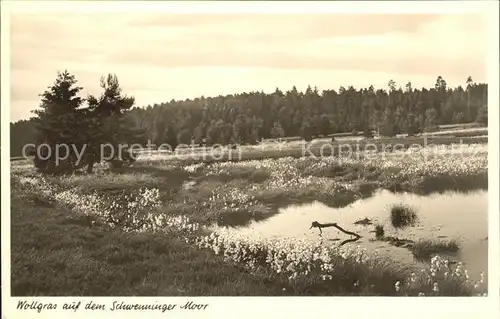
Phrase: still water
(447, 216)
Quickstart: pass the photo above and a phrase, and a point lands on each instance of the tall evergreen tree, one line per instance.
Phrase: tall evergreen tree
(277, 131)
(59, 125)
(108, 129)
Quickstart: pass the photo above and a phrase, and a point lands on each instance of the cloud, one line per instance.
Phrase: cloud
(288, 25)
(179, 56)
(440, 41)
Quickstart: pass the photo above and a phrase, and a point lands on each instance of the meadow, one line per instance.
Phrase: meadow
(320, 147)
(170, 226)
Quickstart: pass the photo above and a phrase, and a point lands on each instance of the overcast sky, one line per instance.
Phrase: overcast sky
(162, 57)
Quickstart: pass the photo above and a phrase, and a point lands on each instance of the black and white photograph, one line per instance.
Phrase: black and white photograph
(267, 149)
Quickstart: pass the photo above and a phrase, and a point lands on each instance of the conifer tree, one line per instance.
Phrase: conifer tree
(108, 126)
(59, 125)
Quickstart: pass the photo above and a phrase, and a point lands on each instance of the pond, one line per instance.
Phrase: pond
(462, 217)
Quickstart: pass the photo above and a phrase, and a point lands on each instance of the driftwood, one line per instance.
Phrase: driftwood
(365, 221)
(349, 241)
(320, 226)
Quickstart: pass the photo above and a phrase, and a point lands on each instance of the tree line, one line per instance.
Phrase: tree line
(246, 118)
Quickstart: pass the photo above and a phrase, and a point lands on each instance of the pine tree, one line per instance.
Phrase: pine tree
(482, 115)
(107, 124)
(159, 131)
(184, 137)
(59, 125)
(277, 131)
(324, 125)
(431, 116)
(171, 137)
(388, 125)
(305, 131)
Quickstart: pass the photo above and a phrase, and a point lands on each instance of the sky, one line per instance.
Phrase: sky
(160, 57)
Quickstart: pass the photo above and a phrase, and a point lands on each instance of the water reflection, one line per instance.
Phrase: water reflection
(243, 217)
(447, 216)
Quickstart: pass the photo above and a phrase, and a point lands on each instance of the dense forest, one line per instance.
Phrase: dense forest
(248, 117)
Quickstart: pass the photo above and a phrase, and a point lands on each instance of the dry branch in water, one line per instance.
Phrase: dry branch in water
(320, 226)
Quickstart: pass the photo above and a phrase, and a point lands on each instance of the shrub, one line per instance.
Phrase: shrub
(403, 216)
(425, 249)
(379, 231)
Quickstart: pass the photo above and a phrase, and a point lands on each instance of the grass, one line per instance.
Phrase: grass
(58, 251)
(422, 250)
(70, 254)
(460, 126)
(246, 173)
(403, 216)
(108, 182)
(319, 148)
(461, 132)
(366, 189)
(450, 128)
(426, 249)
(238, 218)
(270, 184)
(379, 231)
(444, 182)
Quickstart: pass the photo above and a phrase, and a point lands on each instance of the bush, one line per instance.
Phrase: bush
(425, 249)
(379, 231)
(403, 216)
